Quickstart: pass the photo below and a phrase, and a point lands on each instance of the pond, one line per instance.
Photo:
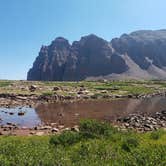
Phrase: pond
(70, 113)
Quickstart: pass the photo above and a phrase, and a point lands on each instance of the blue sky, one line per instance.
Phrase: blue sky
(25, 25)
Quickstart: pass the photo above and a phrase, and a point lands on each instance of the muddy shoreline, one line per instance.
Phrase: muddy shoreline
(136, 122)
(8, 100)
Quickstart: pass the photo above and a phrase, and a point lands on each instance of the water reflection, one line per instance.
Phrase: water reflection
(70, 113)
(11, 115)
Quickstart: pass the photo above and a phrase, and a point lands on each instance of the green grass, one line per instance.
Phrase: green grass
(47, 93)
(5, 83)
(96, 144)
(94, 87)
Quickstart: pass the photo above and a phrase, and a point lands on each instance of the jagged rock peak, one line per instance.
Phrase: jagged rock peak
(148, 35)
(140, 54)
(91, 38)
(60, 43)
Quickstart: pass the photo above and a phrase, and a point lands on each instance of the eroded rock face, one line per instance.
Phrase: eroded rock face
(140, 54)
(144, 47)
(50, 64)
(92, 56)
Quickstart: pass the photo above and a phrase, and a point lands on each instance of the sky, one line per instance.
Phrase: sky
(26, 25)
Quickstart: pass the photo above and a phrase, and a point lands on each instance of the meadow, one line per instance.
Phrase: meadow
(95, 144)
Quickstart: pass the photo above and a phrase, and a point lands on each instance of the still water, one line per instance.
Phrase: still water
(70, 113)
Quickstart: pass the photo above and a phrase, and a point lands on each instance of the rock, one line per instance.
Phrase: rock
(56, 88)
(21, 113)
(32, 133)
(144, 122)
(163, 112)
(53, 124)
(11, 113)
(104, 60)
(80, 93)
(118, 96)
(76, 114)
(61, 126)
(126, 124)
(11, 124)
(40, 133)
(55, 130)
(75, 128)
(104, 91)
(66, 129)
(33, 88)
(45, 128)
(21, 98)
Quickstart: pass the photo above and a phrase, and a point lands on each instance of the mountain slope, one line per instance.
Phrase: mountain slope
(139, 55)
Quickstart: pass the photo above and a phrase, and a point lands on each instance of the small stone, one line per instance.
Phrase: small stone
(53, 124)
(61, 126)
(11, 113)
(32, 132)
(163, 112)
(66, 129)
(40, 133)
(35, 128)
(21, 113)
(75, 128)
(32, 88)
(56, 88)
(45, 128)
(55, 129)
(127, 124)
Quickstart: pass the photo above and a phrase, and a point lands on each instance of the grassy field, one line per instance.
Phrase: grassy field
(96, 88)
(96, 144)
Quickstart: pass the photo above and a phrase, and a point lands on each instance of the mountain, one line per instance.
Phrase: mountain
(138, 55)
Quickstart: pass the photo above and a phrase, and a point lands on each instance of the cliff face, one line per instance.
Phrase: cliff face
(141, 54)
(51, 62)
(92, 56)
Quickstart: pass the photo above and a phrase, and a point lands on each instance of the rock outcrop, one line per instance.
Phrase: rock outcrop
(139, 55)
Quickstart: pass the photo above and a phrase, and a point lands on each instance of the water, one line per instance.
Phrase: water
(70, 113)
(10, 115)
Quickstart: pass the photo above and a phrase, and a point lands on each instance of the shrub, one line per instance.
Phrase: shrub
(129, 143)
(93, 129)
(66, 138)
(155, 135)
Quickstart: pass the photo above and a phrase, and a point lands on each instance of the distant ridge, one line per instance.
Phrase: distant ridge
(138, 55)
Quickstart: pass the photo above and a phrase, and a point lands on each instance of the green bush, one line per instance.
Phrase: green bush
(129, 143)
(67, 138)
(155, 135)
(94, 129)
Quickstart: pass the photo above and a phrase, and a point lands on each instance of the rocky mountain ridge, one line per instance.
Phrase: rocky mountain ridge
(138, 55)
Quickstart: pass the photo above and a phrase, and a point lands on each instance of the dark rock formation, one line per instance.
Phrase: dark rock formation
(51, 62)
(139, 55)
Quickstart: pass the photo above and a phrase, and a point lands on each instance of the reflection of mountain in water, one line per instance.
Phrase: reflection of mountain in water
(71, 112)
